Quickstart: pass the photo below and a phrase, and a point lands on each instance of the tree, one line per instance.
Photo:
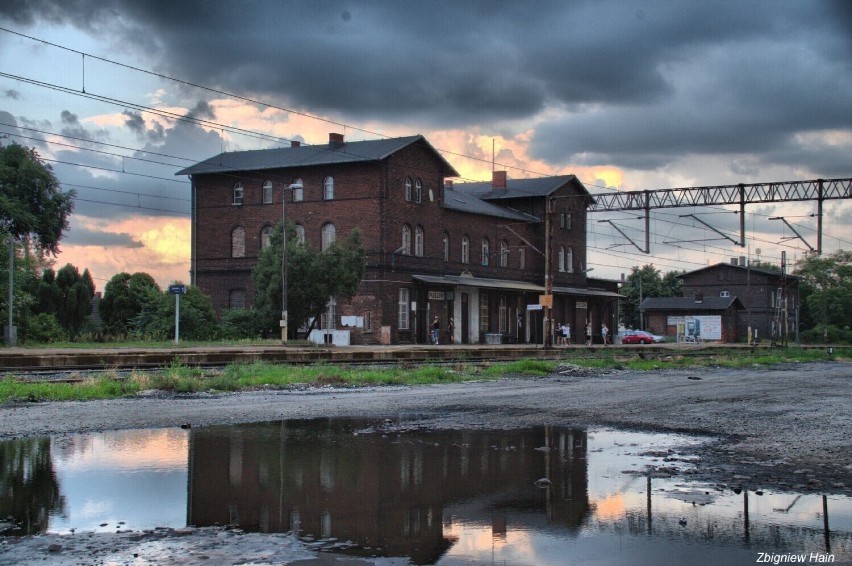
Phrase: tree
(642, 283)
(76, 297)
(31, 200)
(826, 289)
(124, 297)
(157, 317)
(313, 278)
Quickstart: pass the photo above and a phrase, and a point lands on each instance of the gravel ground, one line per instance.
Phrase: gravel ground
(781, 427)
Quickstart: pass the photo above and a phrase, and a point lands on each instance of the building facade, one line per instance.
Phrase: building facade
(770, 299)
(473, 252)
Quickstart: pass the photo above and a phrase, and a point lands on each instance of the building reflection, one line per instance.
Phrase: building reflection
(384, 492)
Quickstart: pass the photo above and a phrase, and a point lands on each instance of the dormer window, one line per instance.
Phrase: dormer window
(724, 293)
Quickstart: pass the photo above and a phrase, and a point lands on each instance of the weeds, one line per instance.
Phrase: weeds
(181, 378)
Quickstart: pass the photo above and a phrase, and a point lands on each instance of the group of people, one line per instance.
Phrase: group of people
(435, 336)
(564, 334)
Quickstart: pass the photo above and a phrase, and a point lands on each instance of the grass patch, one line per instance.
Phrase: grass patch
(180, 378)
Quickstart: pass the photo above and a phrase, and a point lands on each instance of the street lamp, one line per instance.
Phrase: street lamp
(284, 319)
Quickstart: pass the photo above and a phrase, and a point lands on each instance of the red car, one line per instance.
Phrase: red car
(640, 337)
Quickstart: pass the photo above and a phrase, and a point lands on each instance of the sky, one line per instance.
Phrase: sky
(117, 95)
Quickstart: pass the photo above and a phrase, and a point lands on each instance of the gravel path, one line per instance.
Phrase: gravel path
(787, 426)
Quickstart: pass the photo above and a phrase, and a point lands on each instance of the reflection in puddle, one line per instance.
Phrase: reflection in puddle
(542, 495)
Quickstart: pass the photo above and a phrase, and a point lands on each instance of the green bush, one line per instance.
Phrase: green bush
(44, 328)
(831, 334)
(241, 323)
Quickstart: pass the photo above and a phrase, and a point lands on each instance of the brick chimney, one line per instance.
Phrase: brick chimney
(335, 141)
(498, 180)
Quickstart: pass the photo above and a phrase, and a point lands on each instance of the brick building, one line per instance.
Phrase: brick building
(736, 293)
(473, 252)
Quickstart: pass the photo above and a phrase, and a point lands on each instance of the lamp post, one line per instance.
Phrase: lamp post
(284, 319)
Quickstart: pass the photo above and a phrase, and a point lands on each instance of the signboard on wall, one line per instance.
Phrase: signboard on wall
(702, 327)
(582, 305)
(436, 295)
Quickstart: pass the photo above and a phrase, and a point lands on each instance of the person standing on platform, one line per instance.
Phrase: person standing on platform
(589, 333)
(604, 332)
(451, 331)
(436, 330)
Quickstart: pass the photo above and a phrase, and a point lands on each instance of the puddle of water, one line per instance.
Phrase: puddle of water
(542, 495)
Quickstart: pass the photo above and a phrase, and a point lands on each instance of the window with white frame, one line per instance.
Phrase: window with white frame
(408, 189)
(368, 321)
(267, 192)
(522, 257)
(725, 294)
(569, 260)
(406, 240)
(446, 246)
(483, 312)
(418, 241)
(504, 253)
(503, 315)
(236, 299)
(328, 235)
(485, 251)
(238, 193)
(418, 191)
(299, 194)
(465, 249)
(561, 258)
(266, 237)
(300, 234)
(404, 307)
(238, 242)
(328, 188)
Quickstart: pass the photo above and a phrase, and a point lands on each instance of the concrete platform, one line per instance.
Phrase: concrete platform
(22, 359)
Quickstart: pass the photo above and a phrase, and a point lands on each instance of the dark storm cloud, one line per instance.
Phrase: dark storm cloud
(643, 83)
(11, 93)
(80, 236)
(72, 128)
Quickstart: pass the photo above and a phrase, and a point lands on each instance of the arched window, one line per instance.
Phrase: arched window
(406, 240)
(299, 194)
(569, 260)
(522, 257)
(328, 188)
(408, 189)
(300, 234)
(504, 253)
(236, 299)
(446, 246)
(238, 193)
(465, 249)
(328, 235)
(418, 241)
(238, 242)
(503, 315)
(267, 192)
(485, 251)
(265, 237)
(561, 258)
(418, 191)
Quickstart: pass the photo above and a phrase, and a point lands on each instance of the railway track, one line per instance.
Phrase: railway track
(69, 368)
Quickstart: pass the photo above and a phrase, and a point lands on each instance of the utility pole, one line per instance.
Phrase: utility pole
(11, 332)
(548, 274)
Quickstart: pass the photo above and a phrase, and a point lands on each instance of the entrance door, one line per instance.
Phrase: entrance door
(465, 318)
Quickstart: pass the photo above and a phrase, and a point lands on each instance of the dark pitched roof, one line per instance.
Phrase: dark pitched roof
(689, 304)
(310, 155)
(463, 202)
(732, 266)
(521, 188)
